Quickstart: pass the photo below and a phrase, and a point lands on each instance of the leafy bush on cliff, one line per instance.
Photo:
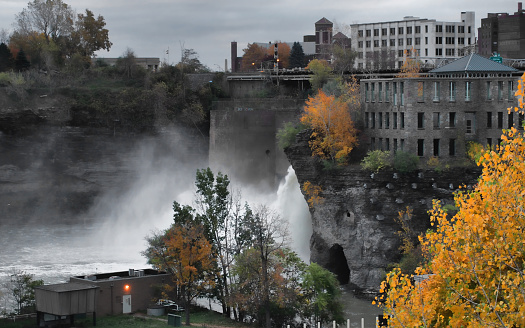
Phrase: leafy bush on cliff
(376, 160)
(286, 135)
(474, 151)
(405, 162)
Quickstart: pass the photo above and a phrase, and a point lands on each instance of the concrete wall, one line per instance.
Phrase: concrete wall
(243, 139)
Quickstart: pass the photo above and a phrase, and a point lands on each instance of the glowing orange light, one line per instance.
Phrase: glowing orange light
(126, 288)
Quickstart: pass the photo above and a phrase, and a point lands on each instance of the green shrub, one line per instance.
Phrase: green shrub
(329, 165)
(286, 135)
(450, 209)
(405, 162)
(434, 163)
(474, 151)
(4, 79)
(376, 160)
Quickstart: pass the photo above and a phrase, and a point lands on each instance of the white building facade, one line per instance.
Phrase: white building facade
(384, 45)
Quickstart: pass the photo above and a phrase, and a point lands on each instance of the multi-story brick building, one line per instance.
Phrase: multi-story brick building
(383, 45)
(438, 113)
(503, 33)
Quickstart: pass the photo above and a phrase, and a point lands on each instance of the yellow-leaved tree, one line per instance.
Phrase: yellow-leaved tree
(184, 251)
(334, 135)
(411, 64)
(475, 274)
(283, 50)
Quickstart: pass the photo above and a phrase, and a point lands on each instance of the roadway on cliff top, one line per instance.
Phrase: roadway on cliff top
(297, 74)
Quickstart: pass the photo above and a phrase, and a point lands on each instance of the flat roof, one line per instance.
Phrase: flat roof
(66, 287)
(132, 273)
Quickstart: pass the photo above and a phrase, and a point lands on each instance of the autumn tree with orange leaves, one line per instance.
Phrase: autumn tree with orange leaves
(184, 251)
(411, 65)
(475, 275)
(333, 133)
(283, 52)
(253, 57)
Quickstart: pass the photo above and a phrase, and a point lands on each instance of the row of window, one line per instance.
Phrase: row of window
(401, 53)
(383, 121)
(417, 52)
(409, 30)
(398, 120)
(399, 144)
(436, 147)
(372, 96)
(398, 92)
(410, 41)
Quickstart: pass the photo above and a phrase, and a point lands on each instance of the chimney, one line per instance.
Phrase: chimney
(234, 56)
(519, 7)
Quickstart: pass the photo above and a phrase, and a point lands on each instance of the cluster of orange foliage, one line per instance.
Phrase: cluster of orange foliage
(256, 57)
(476, 259)
(312, 191)
(411, 65)
(334, 135)
(191, 261)
(283, 52)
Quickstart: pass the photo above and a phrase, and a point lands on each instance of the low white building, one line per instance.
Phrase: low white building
(149, 63)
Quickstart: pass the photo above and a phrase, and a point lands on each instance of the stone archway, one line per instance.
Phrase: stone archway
(338, 265)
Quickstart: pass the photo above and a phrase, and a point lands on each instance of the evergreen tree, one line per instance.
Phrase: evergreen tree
(6, 58)
(297, 56)
(21, 62)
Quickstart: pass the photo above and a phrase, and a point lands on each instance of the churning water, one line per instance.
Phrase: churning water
(54, 252)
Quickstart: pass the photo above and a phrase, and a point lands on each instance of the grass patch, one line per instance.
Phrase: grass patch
(205, 317)
(199, 318)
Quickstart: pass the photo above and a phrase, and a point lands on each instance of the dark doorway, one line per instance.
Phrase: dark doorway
(338, 265)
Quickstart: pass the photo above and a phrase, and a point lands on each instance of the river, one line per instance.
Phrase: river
(54, 252)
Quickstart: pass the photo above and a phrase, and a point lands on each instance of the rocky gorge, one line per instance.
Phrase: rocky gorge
(58, 161)
(55, 167)
(354, 231)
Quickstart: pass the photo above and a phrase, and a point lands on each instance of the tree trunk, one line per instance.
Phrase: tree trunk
(266, 292)
(187, 307)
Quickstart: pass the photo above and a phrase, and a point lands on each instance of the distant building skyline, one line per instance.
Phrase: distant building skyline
(384, 45)
(504, 34)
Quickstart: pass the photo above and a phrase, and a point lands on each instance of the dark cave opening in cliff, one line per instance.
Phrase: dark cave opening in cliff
(338, 265)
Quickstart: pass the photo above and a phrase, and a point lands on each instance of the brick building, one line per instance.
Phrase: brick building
(503, 33)
(437, 114)
(323, 38)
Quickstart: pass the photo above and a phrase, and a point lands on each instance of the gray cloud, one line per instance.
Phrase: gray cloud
(207, 26)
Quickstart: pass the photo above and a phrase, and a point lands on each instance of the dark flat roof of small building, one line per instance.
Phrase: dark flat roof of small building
(66, 287)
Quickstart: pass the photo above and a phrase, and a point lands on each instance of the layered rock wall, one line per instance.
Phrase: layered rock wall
(354, 232)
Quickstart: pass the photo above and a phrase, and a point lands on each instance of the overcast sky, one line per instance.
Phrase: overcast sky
(149, 28)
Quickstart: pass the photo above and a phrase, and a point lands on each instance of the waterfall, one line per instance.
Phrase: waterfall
(292, 206)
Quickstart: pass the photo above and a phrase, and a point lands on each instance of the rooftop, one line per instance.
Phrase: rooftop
(66, 287)
(473, 63)
(323, 21)
(131, 273)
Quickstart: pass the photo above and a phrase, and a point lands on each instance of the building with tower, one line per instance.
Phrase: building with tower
(323, 38)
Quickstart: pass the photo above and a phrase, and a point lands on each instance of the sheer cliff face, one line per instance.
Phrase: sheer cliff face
(53, 170)
(354, 232)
